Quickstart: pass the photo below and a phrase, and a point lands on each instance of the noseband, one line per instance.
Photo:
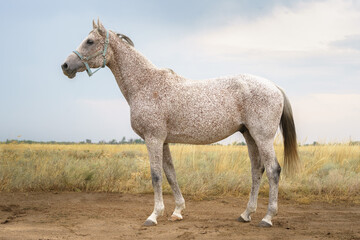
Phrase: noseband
(86, 59)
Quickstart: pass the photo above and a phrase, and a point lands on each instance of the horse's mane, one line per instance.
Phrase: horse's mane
(125, 38)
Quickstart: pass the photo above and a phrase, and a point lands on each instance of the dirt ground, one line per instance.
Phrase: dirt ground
(120, 216)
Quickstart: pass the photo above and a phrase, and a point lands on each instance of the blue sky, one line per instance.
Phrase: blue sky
(310, 48)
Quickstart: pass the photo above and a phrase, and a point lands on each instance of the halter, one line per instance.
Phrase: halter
(86, 59)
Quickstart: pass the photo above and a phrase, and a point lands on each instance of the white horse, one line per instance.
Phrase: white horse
(168, 108)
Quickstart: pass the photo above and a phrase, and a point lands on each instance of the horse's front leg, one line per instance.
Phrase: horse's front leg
(171, 177)
(155, 149)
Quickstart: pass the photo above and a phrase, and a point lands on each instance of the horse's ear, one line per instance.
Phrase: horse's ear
(94, 24)
(101, 29)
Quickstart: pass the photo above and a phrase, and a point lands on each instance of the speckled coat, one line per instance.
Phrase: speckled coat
(168, 108)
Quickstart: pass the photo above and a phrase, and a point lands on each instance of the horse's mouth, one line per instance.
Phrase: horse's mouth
(71, 74)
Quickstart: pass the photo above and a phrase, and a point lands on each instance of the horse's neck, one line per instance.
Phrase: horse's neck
(130, 68)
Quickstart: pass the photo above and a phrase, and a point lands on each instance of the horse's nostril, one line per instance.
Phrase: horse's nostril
(64, 66)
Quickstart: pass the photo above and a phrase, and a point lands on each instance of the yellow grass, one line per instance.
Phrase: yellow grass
(329, 172)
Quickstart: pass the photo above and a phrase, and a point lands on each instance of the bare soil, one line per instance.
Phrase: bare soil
(120, 216)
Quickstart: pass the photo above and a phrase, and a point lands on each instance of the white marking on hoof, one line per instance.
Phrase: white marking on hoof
(151, 220)
(149, 223)
(265, 224)
(175, 217)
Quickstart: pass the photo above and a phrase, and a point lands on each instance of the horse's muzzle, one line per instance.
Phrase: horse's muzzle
(70, 73)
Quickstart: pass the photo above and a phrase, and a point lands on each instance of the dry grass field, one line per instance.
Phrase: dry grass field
(328, 172)
(100, 192)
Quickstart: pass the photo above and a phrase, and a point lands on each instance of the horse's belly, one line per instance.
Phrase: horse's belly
(197, 130)
(196, 139)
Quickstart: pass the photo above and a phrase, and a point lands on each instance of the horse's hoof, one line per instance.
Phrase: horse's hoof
(241, 219)
(149, 223)
(174, 218)
(264, 224)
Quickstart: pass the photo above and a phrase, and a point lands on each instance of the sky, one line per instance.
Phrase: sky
(309, 48)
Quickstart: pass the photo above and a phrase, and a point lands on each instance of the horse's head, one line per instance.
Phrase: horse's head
(93, 52)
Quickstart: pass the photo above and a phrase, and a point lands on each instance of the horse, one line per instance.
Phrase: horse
(168, 108)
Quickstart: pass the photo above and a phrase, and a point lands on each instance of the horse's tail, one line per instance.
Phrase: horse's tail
(287, 126)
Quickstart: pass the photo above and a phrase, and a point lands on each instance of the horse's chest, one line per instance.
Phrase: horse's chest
(146, 120)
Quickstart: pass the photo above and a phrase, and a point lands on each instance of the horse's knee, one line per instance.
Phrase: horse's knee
(155, 177)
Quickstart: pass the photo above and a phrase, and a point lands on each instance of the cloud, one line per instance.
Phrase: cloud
(307, 27)
(327, 117)
(351, 42)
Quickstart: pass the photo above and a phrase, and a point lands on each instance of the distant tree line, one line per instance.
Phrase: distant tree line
(238, 143)
(351, 143)
(87, 141)
(123, 141)
(8, 141)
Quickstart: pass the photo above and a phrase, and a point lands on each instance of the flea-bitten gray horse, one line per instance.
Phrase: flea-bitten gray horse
(168, 108)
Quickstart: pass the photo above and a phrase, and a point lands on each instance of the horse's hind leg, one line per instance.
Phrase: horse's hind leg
(257, 170)
(171, 177)
(273, 169)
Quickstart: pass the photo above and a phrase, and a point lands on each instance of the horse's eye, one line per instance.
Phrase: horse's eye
(89, 41)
